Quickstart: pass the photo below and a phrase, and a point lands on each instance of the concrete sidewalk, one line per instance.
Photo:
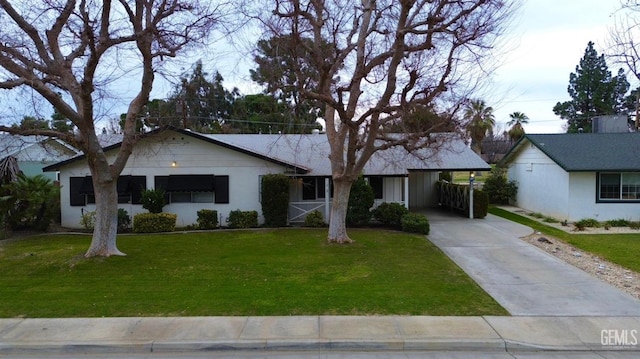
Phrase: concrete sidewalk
(524, 279)
(373, 333)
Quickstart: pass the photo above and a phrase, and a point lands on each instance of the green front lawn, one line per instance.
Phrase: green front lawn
(622, 249)
(262, 272)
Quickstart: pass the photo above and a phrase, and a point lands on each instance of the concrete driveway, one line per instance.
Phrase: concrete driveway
(525, 280)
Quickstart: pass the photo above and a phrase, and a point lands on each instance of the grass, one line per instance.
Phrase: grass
(621, 249)
(262, 272)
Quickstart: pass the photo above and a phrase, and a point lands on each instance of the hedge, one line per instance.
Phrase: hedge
(154, 222)
(314, 219)
(275, 199)
(243, 219)
(415, 223)
(207, 219)
(390, 214)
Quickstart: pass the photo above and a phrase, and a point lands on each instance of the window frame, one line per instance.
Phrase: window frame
(620, 187)
(315, 186)
(377, 184)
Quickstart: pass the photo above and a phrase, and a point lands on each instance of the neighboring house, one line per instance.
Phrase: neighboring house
(577, 176)
(223, 172)
(33, 153)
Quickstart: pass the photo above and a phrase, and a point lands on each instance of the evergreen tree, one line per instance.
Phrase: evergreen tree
(198, 103)
(282, 64)
(593, 92)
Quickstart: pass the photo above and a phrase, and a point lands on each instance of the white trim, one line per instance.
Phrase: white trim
(406, 192)
(327, 196)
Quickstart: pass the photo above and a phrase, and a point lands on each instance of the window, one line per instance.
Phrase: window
(376, 182)
(129, 190)
(623, 186)
(194, 188)
(313, 188)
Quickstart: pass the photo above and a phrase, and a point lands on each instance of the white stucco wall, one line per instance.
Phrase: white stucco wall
(543, 186)
(583, 191)
(154, 157)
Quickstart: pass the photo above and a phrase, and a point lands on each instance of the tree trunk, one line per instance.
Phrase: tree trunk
(103, 243)
(337, 223)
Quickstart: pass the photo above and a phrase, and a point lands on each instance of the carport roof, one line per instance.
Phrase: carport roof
(450, 153)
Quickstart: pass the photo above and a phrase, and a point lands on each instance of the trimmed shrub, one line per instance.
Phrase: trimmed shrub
(499, 190)
(415, 223)
(390, 214)
(124, 220)
(314, 219)
(88, 219)
(153, 200)
(275, 199)
(361, 199)
(154, 222)
(480, 203)
(243, 219)
(207, 219)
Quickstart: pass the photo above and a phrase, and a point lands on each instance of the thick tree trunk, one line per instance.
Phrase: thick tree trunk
(105, 229)
(337, 223)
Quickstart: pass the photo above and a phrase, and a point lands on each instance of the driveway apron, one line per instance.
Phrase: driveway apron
(524, 279)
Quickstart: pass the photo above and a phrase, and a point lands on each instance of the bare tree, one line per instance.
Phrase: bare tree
(384, 58)
(72, 48)
(625, 48)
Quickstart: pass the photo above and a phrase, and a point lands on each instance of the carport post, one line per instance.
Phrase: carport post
(327, 196)
(406, 191)
(472, 177)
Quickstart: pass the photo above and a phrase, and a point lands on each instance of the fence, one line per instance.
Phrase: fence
(298, 211)
(453, 196)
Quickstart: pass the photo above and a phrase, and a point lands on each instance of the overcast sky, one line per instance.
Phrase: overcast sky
(542, 47)
(548, 39)
(544, 44)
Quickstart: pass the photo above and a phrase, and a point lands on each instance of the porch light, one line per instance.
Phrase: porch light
(174, 164)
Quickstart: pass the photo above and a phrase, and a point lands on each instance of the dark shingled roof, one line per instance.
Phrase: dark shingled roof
(586, 152)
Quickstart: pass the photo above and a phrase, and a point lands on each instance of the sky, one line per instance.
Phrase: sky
(547, 40)
(542, 46)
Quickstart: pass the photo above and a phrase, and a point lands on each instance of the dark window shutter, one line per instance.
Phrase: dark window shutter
(75, 197)
(221, 189)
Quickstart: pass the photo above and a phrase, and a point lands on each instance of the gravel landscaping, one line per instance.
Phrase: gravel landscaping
(614, 274)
